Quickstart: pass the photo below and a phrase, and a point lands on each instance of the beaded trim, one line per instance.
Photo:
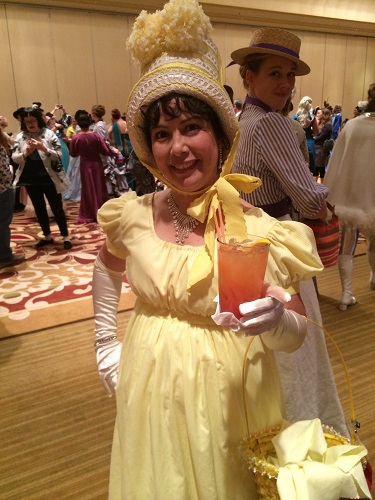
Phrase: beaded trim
(105, 340)
(167, 79)
(183, 224)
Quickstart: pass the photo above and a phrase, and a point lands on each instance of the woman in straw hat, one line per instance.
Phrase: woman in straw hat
(178, 385)
(269, 150)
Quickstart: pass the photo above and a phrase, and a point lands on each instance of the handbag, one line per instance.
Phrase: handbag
(327, 237)
(57, 166)
(328, 145)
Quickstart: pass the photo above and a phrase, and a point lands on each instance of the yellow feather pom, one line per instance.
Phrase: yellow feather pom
(181, 26)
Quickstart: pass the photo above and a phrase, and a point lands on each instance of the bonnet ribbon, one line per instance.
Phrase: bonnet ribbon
(224, 191)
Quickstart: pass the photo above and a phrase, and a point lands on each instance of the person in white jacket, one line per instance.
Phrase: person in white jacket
(37, 151)
(351, 179)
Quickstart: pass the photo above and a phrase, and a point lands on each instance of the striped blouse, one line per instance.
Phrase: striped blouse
(269, 149)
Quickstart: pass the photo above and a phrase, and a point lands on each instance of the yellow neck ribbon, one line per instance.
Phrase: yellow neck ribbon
(225, 191)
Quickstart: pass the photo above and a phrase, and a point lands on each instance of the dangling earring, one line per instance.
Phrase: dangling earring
(219, 167)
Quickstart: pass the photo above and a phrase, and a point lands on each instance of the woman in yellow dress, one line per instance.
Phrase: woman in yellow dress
(177, 372)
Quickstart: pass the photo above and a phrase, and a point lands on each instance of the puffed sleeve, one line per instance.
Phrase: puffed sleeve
(293, 256)
(112, 219)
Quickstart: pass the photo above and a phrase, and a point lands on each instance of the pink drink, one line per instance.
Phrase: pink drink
(241, 268)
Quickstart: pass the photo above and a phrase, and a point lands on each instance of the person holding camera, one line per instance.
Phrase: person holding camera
(37, 151)
(65, 120)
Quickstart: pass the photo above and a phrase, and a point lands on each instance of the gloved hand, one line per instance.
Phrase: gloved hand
(108, 359)
(259, 315)
(285, 329)
(106, 290)
(264, 314)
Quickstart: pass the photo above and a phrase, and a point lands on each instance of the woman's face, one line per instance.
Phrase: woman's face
(186, 151)
(51, 123)
(31, 124)
(274, 81)
(319, 114)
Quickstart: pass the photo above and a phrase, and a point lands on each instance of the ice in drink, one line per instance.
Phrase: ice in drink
(241, 269)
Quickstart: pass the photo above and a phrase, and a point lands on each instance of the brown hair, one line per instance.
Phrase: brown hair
(326, 116)
(99, 110)
(116, 114)
(253, 63)
(183, 104)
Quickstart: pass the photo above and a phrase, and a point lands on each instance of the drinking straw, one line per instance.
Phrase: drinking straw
(219, 225)
(218, 230)
(221, 220)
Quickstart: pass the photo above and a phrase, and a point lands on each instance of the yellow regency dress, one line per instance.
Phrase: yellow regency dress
(180, 410)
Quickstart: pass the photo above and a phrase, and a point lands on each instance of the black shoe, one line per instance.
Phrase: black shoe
(67, 245)
(13, 261)
(43, 243)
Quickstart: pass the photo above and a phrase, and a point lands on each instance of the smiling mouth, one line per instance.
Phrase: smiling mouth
(185, 166)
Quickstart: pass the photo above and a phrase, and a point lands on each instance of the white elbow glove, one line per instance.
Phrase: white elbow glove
(267, 315)
(289, 334)
(106, 291)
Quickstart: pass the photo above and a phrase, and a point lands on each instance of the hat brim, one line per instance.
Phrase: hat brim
(164, 81)
(239, 56)
(18, 112)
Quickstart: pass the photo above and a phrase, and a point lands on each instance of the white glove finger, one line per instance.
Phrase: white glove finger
(109, 379)
(114, 378)
(263, 322)
(266, 318)
(107, 386)
(257, 306)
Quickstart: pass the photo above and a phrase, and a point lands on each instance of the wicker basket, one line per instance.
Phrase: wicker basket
(257, 447)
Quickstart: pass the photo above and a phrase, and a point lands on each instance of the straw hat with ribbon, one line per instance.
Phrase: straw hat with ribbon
(276, 42)
(176, 54)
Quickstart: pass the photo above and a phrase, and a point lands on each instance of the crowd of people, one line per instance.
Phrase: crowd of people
(51, 159)
(120, 170)
(183, 406)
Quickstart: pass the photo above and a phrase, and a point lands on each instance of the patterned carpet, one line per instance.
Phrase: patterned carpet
(53, 285)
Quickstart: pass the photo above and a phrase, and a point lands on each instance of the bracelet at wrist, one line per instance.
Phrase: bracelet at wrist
(105, 340)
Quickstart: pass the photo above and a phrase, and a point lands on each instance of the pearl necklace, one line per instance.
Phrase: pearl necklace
(183, 224)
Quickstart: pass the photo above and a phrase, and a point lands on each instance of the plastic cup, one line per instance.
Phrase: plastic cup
(241, 267)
